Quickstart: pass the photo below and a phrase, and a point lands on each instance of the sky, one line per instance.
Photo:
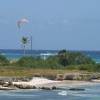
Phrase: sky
(53, 24)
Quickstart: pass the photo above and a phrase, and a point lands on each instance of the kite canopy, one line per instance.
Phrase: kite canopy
(21, 22)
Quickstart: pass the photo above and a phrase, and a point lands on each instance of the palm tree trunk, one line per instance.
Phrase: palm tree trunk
(24, 50)
(31, 45)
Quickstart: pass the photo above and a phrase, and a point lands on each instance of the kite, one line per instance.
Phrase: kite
(21, 22)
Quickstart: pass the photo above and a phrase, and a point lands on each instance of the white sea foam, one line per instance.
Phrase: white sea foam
(36, 81)
(63, 93)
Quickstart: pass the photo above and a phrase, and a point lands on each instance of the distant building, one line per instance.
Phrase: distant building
(46, 55)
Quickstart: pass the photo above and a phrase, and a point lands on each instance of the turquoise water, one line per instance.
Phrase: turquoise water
(90, 93)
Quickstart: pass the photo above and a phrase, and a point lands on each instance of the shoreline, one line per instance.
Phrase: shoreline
(72, 84)
(46, 84)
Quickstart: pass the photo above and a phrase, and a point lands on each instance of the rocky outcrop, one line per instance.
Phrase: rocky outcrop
(78, 76)
(25, 86)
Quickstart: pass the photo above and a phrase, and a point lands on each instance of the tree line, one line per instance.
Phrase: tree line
(63, 60)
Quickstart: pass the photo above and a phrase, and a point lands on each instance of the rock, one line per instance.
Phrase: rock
(49, 88)
(2, 82)
(45, 88)
(60, 77)
(7, 88)
(34, 87)
(25, 87)
(54, 88)
(7, 84)
(69, 77)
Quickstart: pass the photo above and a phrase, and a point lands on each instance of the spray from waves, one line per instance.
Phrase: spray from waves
(63, 93)
(77, 94)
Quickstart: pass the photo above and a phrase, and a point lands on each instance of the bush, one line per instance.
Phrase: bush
(26, 62)
(97, 68)
(73, 58)
(3, 60)
(50, 62)
(64, 59)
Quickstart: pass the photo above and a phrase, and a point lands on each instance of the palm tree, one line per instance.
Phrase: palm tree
(24, 41)
(63, 57)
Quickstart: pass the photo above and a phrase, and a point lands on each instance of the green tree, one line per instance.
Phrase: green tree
(24, 41)
(63, 57)
(73, 58)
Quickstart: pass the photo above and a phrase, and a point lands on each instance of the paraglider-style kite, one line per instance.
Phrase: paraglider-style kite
(21, 22)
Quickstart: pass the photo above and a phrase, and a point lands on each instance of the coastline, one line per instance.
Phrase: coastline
(47, 84)
(71, 84)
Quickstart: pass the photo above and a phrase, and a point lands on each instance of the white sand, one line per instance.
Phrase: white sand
(39, 82)
(96, 80)
(35, 82)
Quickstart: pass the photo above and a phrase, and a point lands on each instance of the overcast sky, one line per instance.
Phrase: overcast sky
(54, 24)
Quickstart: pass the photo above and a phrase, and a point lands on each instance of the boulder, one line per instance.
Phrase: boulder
(45, 88)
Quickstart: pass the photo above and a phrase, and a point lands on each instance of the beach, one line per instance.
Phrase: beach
(46, 84)
(44, 88)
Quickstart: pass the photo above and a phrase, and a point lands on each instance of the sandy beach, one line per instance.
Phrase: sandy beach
(43, 82)
(36, 81)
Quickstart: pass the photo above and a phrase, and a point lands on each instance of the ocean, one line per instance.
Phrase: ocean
(16, 54)
(90, 93)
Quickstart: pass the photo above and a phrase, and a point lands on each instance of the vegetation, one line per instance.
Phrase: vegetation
(31, 62)
(3, 60)
(24, 42)
(65, 61)
(73, 58)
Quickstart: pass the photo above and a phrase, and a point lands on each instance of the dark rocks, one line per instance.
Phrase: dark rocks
(48, 88)
(54, 88)
(7, 84)
(77, 89)
(45, 88)
(7, 88)
(1, 82)
(25, 87)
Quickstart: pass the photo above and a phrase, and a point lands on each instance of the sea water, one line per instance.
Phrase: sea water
(90, 93)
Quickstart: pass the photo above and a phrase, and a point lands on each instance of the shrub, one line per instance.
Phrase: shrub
(3, 60)
(26, 62)
(73, 58)
(64, 59)
(50, 62)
